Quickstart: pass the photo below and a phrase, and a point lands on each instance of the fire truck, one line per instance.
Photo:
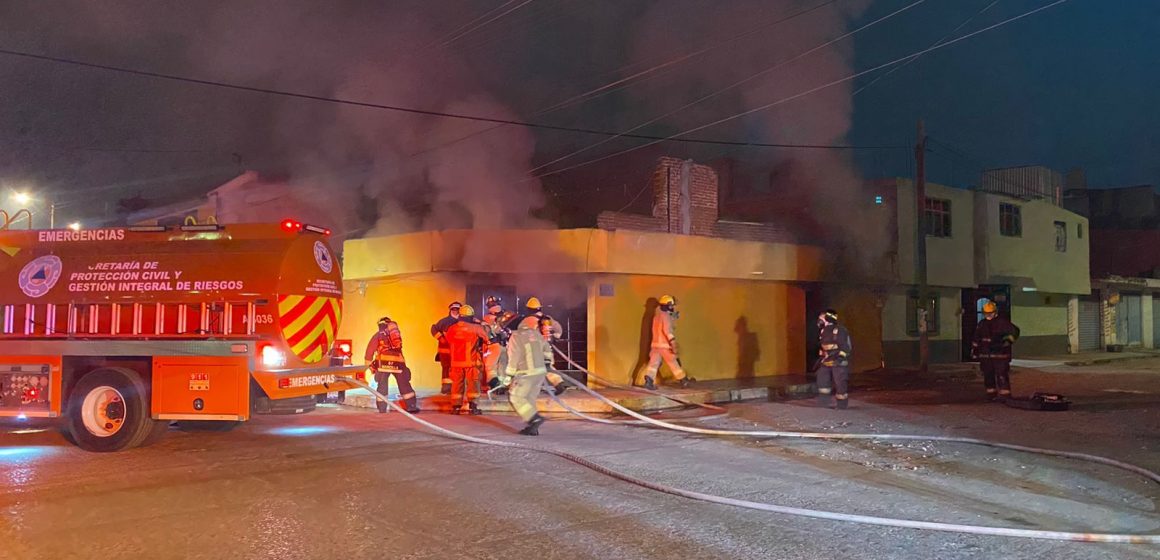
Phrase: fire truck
(120, 332)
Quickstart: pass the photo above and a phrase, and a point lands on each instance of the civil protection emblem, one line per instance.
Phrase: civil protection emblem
(322, 257)
(40, 275)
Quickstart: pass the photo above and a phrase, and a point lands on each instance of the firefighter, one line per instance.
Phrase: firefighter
(443, 356)
(526, 365)
(385, 356)
(991, 345)
(495, 357)
(552, 330)
(664, 344)
(834, 351)
(466, 339)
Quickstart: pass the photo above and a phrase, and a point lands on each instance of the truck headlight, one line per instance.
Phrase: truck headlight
(273, 358)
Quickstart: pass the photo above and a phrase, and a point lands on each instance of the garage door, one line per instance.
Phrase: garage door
(1129, 329)
(1089, 324)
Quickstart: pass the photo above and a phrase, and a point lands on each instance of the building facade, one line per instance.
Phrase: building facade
(1030, 256)
(742, 303)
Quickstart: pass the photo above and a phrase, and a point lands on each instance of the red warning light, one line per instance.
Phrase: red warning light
(291, 225)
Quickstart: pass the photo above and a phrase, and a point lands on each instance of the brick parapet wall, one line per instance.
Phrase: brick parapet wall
(703, 206)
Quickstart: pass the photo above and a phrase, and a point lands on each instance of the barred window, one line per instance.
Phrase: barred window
(932, 315)
(1061, 237)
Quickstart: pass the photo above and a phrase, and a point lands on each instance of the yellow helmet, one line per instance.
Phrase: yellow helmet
(534, 304)
(466, 311)
(990, 307)
(667, 300)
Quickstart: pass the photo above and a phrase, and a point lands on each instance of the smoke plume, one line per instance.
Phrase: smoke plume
(363, 170)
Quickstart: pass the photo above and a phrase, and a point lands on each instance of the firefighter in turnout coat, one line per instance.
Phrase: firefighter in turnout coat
(834, 360)
(385, 356)
(663, 346)
(528, 370)
(991, 345)
(466, 339)
(495, 354)
(443, 356)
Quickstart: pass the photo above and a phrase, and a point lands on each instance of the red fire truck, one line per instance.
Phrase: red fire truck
(122, 331)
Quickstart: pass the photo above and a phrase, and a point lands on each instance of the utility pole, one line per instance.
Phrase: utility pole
(920, 254)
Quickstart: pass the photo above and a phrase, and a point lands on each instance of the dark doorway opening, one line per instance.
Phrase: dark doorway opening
(574, 321)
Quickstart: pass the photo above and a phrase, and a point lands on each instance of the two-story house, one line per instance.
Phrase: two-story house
(1028, 255)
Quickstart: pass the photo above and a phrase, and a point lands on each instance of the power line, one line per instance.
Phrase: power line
(411, 110)
(807, 92)
(736, 84)
(613, 86)
(455, 36)
(915, 59)
(619, 84)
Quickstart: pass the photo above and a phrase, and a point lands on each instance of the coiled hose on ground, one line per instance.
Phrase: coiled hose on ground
(803, 512)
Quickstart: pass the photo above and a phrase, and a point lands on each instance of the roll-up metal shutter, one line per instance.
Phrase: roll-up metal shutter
(1089, 324)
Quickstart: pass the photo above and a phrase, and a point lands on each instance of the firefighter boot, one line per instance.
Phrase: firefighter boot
(560, 388)
(685, 382)
(648, 384)
(824, 400)
(843, 404)
(455, 410)
(445, 389)
(474, 410)
(533, 427)
(382, 406)
(412, 405)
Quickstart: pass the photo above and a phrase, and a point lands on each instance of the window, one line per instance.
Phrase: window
(1061, 237)
(1079, 230)
(912, 314)
(938, 217)
(1010, 220)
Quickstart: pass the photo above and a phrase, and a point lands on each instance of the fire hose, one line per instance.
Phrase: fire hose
(804, 512)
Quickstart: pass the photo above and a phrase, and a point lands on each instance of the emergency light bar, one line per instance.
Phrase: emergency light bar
(146, 229)
(292, 226)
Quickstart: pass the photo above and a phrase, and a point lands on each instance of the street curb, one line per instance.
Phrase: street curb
(637, 401)
(1103, 361)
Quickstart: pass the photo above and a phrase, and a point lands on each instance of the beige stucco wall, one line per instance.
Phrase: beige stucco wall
(950, 260)
(727, 328)
(1033, 255)
(578, 251)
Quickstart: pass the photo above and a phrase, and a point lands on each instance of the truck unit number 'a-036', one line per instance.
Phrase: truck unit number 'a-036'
(193, 324)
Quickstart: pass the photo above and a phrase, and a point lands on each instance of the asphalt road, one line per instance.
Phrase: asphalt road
(342, 483)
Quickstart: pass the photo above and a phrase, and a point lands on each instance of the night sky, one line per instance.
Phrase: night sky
(1070, 86)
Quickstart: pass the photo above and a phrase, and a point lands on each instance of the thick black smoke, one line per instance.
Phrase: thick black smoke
(413, 171)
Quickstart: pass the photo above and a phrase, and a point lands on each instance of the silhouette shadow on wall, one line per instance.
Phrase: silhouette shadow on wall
(650, 307)
(748, 351)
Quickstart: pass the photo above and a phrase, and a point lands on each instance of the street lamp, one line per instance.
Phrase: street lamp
(25, 198)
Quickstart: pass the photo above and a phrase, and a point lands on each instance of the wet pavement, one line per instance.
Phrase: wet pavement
(347, 483)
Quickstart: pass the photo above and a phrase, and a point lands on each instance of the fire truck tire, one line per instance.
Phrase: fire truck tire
(108, 410)
(207, 425)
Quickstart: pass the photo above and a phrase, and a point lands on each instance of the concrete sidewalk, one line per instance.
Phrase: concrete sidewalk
(706, 392)
(1085, 358)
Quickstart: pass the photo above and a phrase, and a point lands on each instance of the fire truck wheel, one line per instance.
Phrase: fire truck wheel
(207, 425)
(108, 410)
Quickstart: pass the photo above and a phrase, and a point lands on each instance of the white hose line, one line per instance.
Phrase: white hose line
(772, 508)
(877, 437)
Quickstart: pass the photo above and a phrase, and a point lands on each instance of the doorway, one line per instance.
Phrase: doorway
(972, 306)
